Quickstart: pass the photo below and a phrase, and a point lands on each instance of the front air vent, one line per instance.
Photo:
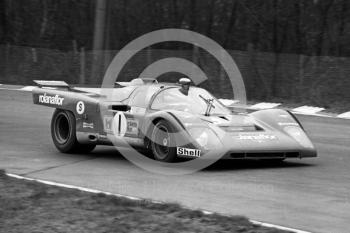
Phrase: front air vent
(92, 137)
(266, 155)
(256, 155)
(237, 155)
(258, 128)
(223, 117)
(249, 128)
(292, 154)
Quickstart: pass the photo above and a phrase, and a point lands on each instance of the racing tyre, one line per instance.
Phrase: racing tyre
(64, 135)
(161, 141)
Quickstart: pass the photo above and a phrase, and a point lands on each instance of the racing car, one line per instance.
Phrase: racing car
(171, 120)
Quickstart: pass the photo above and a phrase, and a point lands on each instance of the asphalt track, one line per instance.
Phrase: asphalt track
(311, 194)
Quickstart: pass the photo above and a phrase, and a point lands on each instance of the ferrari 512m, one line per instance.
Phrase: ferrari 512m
(172, 120)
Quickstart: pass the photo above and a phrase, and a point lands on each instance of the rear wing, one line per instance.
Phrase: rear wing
(60, 95)
(136, 82)
(52, 94)
(53, 84)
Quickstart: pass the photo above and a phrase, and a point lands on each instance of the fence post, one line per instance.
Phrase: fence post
(149, 55)
(195, 57)
(82, 66)
(34, 55)
(222, 76)
(7, 58)
(75, 47)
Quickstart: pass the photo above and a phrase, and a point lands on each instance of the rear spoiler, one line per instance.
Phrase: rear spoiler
(136, 82)
(48, 83)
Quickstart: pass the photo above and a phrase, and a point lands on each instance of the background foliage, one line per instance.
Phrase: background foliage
(294, 51)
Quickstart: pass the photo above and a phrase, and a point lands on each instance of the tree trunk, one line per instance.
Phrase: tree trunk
(210, 14)
(100, 18)
(320, 39)
(193, 15)
(3, 22)
(175, 10)
(278, 44)
(45, 19)
(231, 24)
(344, 9)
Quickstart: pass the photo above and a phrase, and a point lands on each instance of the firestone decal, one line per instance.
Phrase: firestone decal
(188, 152)
(47, 99)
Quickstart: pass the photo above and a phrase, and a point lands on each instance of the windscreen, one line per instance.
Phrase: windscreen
(195, 102)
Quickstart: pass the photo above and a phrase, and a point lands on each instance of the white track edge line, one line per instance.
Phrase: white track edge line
(52, 183)
(72, 187)
(264, 224)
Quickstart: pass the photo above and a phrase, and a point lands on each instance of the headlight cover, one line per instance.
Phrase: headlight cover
(205, 137)
(299, 135)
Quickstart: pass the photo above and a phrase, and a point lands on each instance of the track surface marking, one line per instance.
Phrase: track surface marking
(310, 194)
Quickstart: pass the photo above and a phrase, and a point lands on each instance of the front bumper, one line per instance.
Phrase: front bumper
(273, 145)
(269, 154)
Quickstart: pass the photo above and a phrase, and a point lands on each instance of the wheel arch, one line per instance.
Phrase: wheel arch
(155, 118)
(154, 121)
(71, 143)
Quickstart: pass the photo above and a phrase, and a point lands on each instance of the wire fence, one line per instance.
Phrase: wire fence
(324, 81)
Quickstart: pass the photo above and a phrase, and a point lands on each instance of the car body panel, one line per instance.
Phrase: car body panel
(264, 134)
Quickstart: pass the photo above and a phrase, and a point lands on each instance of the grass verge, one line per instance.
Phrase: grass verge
(28, 206)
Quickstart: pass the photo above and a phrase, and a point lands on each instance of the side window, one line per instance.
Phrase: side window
(139, 99)
(158, 101)
(170, 98)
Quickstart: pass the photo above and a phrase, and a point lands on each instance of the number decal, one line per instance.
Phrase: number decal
(80, 107)
(119, 124)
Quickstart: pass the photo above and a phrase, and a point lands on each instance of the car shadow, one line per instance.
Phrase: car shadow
(107, 152)
(110, 152)
(223, 165)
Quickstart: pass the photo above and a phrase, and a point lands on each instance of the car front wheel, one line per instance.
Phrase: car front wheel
(162, 142)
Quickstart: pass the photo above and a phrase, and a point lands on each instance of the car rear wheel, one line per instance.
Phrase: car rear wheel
(63, 132)
(162, 142)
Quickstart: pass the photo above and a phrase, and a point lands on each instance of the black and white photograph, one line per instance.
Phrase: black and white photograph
(174, 116)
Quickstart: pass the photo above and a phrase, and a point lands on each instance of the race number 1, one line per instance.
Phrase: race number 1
(119, 124)
(80, 107)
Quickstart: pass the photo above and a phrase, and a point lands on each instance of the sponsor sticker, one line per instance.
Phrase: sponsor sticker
(88, 125)
(188, 152)
(80, 107)
(288, 124)
(107, 123)
(132, 126)
(258, 137)
(48, 99)
(103, 137)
